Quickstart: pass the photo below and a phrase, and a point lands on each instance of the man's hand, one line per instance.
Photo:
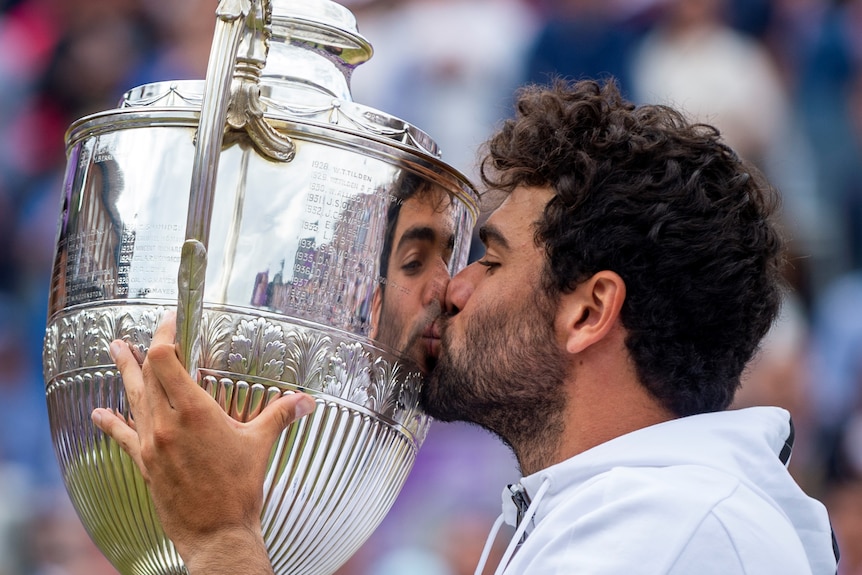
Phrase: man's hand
(205, 470)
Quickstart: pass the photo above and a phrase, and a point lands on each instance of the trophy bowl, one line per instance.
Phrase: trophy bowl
(305, 241)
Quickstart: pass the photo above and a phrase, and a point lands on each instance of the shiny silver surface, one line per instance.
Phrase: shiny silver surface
(321, 273)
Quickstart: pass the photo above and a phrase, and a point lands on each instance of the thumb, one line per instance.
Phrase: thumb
(282, 412)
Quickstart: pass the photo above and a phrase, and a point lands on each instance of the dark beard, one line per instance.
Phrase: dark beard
(507, 378)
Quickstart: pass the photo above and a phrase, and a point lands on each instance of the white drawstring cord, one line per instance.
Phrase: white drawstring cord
(489, 542)
(519, 533)
(522, 527)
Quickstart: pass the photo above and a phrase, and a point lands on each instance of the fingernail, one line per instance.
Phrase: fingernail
(114, 349)
(305, 406)
(97, 417)
(136, 353)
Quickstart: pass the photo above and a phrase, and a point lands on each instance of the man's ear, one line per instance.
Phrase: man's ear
(376, 305)
(587, 314)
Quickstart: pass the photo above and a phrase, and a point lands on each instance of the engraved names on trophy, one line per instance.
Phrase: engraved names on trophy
(143, 264)
(149, 258)
(87, 258)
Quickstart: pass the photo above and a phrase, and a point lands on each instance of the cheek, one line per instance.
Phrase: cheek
(402, 301)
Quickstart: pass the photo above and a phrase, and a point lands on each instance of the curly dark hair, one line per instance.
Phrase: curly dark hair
(665, 204)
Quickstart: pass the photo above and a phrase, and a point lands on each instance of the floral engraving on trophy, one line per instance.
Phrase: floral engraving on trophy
(408, 413)
(382, 393)
(258, 349)
(82, 340)
(215, 340)
(307, 358)
(49, 353)
(137, 329)
(349, 374)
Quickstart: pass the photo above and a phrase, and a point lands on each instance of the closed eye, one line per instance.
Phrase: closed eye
(488, 264)
(412, 267)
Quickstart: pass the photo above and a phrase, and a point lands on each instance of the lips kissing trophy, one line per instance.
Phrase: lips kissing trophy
(258, 203)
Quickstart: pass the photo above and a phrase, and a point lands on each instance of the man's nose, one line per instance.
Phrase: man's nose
(435, 289)
(461, 288)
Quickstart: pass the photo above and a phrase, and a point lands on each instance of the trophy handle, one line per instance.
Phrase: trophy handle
(231, 101)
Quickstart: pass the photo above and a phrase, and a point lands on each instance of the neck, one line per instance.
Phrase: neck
(601, 405)
(622, 409)
(540, 448)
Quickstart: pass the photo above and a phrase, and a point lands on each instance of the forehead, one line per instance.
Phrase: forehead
(517, 214)
(433, 209)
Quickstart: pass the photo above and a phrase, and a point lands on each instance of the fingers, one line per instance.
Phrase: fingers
(166, 332)
(145, 395)
(172, 376)
(133, 378)
(281, 413)
(173, 379)
(162, 389)
(118, 430)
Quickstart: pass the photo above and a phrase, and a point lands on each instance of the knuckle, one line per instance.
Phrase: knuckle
(133, 396)
(160, 352)
(161, 439)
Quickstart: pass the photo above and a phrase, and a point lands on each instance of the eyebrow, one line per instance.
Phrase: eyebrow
(422, 233)
(425, 234)
(489, 233)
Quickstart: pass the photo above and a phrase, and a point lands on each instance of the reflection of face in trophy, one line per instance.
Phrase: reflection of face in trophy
(414, 269)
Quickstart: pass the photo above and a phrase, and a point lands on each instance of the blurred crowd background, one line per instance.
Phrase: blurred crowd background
(782, 80)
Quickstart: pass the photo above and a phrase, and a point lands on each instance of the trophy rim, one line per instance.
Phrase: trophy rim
(411, 154)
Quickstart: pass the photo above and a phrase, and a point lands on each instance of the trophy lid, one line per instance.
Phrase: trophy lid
(315, 45)
(325, 22)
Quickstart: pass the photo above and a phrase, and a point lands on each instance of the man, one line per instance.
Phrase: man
(628, 277)
(414, 267)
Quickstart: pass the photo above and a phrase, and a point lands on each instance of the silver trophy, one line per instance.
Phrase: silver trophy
(305, 241)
